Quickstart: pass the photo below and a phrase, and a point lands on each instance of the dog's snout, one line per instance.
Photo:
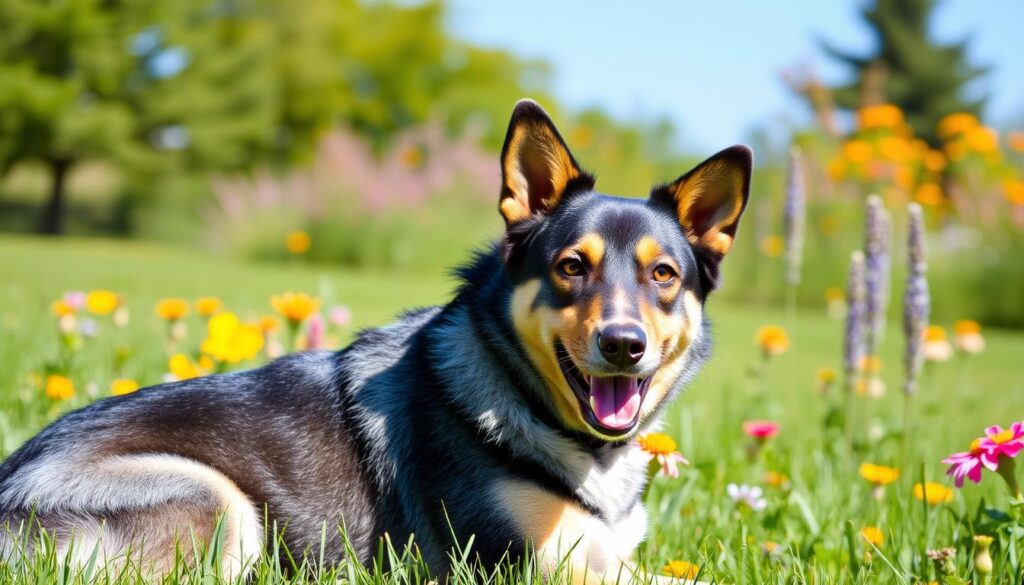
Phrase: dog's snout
(622, 344)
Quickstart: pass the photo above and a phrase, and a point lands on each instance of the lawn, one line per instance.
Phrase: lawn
(817, 504)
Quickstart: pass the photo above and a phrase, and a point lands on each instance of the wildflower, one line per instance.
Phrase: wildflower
(760, 429)
(929, 194)
(879, 475)
(122, 386)
(315, 333)
(297, 242)
(1014, 191)
(340, 316)
(916, 299)
(102, 302)
(183, 368)
(749, 496)
(982, 140)
(295, 307)
(857, 151)
(982, 558)
(231, 341)
(853, 333)
(794, 212)
(772, 339)
(776, 479)
(662, 451)
(208, 306)
(172, 309)
(934, 161)
(825, 377)
(75, 299)
(933, 493)
(60, 308)
(59, 387)
(936, 347)
(772, 245)
(871, 364)
(957, 123)
(681, 570)
(968, 337)
(944, 560)
(873, 535)
(269, 324)
(877, 236)
(969, 464)
(1015, 140)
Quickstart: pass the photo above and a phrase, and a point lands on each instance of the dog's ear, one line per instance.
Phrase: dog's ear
(708, 202)
(536, 166)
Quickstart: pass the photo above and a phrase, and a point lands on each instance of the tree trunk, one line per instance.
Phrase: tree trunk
(53, 215)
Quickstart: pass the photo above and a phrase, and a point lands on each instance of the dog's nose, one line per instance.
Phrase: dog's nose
(622, 345)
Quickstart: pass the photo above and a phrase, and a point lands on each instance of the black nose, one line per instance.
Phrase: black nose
(622, 345)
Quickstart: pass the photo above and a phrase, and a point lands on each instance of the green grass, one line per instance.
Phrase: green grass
(815, 518)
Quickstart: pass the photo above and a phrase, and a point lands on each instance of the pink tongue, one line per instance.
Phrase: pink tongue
(615, 400)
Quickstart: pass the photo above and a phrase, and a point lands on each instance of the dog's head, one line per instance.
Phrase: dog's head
(608, 292)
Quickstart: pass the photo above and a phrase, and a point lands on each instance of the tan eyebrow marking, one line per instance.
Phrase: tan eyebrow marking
(647, 250)
(591, 245)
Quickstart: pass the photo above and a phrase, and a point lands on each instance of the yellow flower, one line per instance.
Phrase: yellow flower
(268, 324)
(934, 161)
(879, 474)
(857, 151)
(681, 569)
(968, 336)
(657, 443)
(1014, 191)
(935, 333)
(172, 309)
(207, 306)
(122, 386)
(228, 340)
(295, 307)
(871, 364)
(183, 368)
(59, 387)
(825, 376)
(880, 116)
(772, 246)
(933, 493)
(873, 535)
(837, 169)
(61, 308)
(775, 479)
(772, 339)
(894, 149)
(929, 194)
(834, 294)
(958, 123)
(101, 302)
(297, 242)
(982, 140)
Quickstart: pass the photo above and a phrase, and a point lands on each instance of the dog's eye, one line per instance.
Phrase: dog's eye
(663, 273)
(571, 267)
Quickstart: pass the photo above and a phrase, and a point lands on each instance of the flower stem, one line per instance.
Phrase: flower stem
(1008, 471)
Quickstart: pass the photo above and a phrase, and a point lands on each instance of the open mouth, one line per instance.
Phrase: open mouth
(610, 404)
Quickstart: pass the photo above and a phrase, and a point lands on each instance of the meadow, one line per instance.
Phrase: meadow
(819, 518)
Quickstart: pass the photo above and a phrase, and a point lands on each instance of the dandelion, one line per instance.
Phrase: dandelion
(873, 535)
(230, 341)
(982, 557)
(208, 306)
(794, 212)
(102, 302)
(171, 309)
(933, 493)
(297, 242)
(772, 340)
(936, 347)
(122, 386)
(663, 455)
(879, 476)
(59, 387)
(182, 368)
(968, 337)
(295, 307)
(681, 570)
(747, 496)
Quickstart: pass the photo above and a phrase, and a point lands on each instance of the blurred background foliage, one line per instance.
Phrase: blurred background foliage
(229, 124)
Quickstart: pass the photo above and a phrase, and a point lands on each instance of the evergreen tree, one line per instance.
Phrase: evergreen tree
(908, 68)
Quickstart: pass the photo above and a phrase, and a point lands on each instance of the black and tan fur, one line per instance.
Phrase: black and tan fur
(461, 414)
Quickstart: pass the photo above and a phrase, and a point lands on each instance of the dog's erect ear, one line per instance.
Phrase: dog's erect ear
(536, 166)
(710, 199)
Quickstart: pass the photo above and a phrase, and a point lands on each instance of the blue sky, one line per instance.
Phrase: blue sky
(714, 67)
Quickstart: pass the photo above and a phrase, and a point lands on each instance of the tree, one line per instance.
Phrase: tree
(148, 84)
(908, 68)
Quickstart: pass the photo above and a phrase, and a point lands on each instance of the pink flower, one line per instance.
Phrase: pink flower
(968, 464)
(315, 333)
(340, 316)
(662, 448)
(1002, 442)
(760, 429)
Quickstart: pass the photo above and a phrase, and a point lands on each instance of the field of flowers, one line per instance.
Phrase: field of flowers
(788, 476)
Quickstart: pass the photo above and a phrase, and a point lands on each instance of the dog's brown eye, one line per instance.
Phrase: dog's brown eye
(571, 267)
(663, 273)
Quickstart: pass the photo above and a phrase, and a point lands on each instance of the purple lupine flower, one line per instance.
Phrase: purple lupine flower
(877, 240)
(853, 339)
(916, 299)
(794, 213)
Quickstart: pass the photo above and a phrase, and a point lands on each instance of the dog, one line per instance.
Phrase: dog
(508, 414)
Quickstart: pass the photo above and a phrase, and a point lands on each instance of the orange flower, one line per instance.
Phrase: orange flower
(681, 569)
(857, 151)
(772, 339)
(295, 307)
(1015, 140)
(172, 309)
(880, 116)
(933, 493)
(929, 194)
(1014, 190)
(59, 387)
(958, 123)
(297, 242)
(968, 337)
(207, 306)
(894, 148)
(934, 161)
(268, 324)
(982, 140)
(871, 364)
(61, 308)
(837, 169)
